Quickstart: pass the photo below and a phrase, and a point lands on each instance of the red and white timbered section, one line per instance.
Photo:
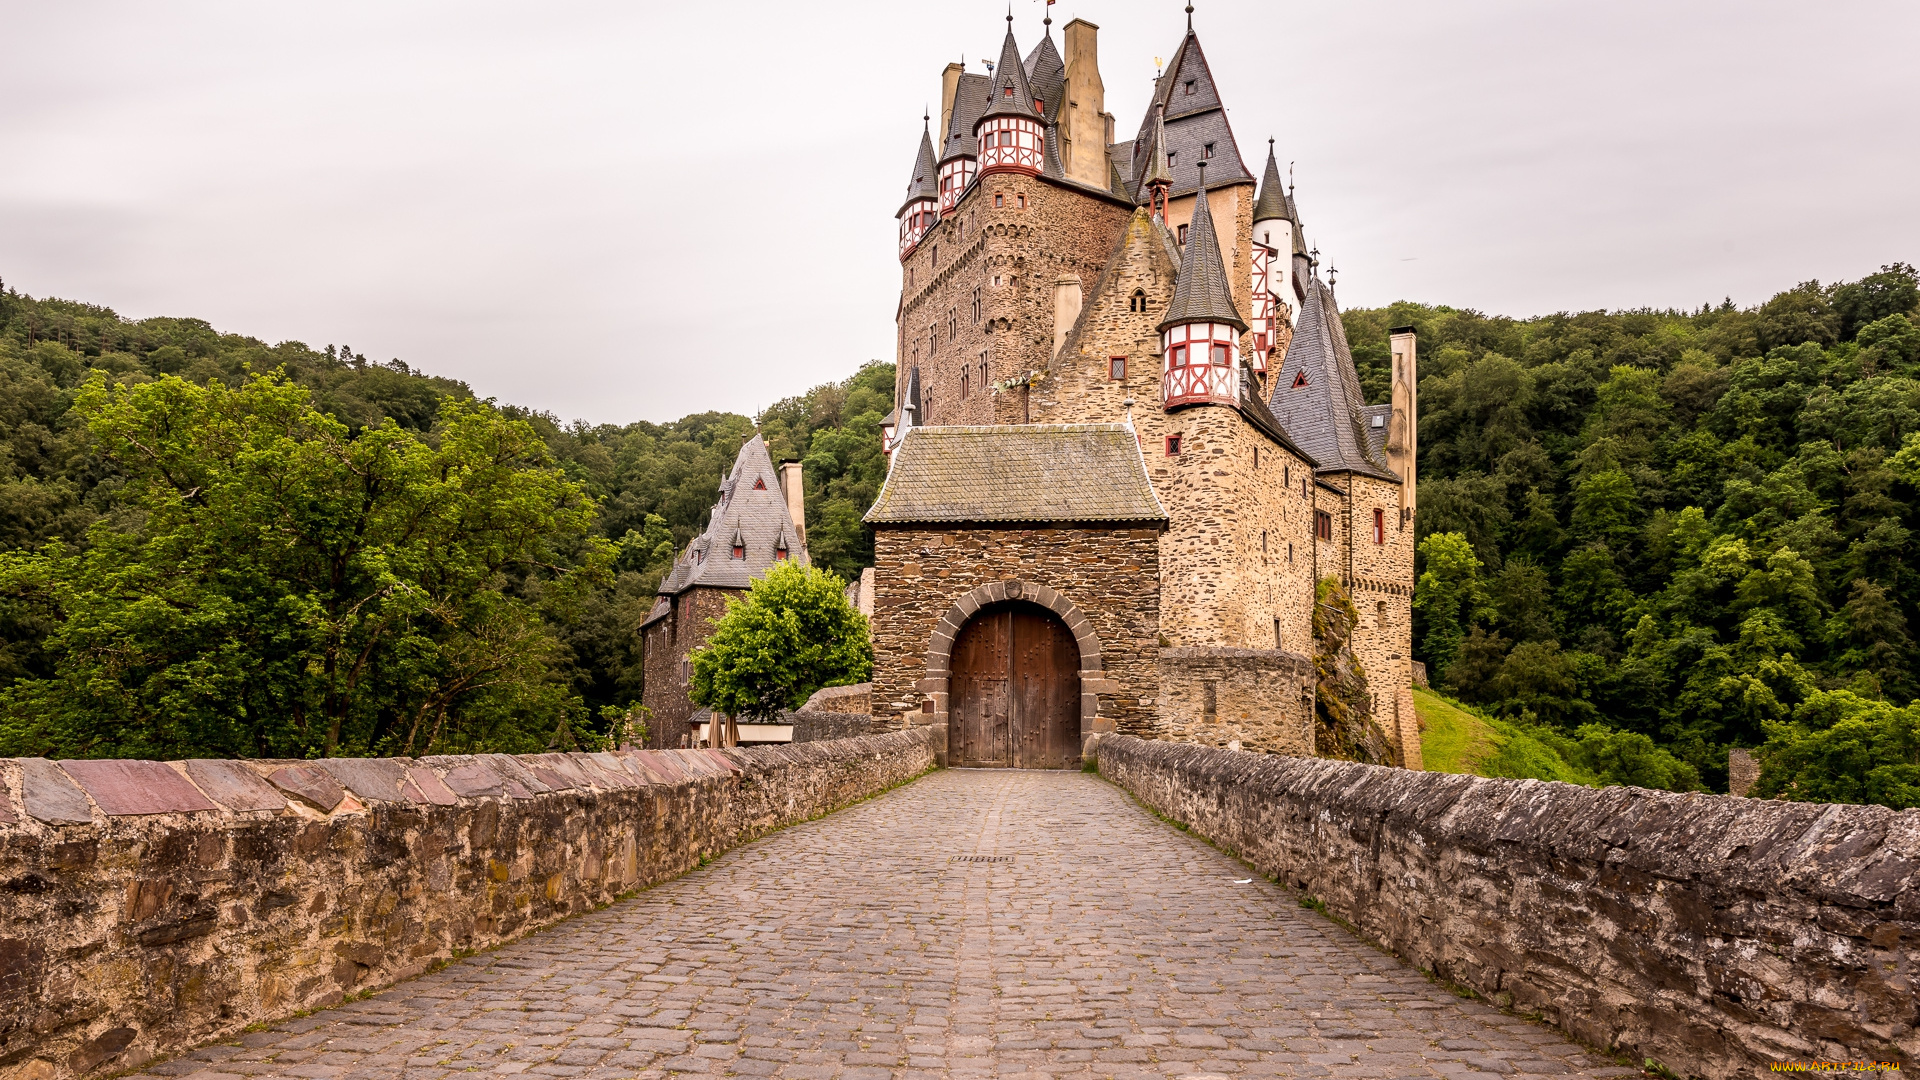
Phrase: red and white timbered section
(1201, 365)
(1011, 144)
(1264, 307)
(915, 220)
(956, 175)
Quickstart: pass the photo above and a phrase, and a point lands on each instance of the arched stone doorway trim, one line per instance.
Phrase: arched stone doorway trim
(939, 670)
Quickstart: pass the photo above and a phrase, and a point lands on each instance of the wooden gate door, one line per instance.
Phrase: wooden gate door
(1015, 694)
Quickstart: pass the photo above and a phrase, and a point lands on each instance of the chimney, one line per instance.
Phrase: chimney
(1084, 124)
(1403, 433)
(796, 494)
(949, 82)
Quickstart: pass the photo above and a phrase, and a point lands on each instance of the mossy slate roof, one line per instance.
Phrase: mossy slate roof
(1022, 472)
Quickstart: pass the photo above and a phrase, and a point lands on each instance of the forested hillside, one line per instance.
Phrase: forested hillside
(74, 489)
(1695, 525)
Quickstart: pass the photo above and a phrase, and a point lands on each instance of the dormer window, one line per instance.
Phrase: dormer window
(1183, 236)
(1170, 158)
(1190, 87)
(1299, 379)
(1040, 107)
(759, 483)
(1007, 91)
(780, 550)
(739, 551)
(1206, 151)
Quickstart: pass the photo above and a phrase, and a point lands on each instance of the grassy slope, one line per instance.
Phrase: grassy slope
(1455, 740)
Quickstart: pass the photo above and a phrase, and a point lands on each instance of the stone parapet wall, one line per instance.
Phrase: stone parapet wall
(147, 907)
(852, 698)
(1711, 933)
(1259, 698)
(812, 725)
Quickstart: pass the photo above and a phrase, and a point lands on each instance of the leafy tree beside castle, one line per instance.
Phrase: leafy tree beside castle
(791, 634)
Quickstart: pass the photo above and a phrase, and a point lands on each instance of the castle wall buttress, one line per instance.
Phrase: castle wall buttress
(1375, 563)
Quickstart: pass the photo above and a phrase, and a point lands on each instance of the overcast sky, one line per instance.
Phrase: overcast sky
(619, 211)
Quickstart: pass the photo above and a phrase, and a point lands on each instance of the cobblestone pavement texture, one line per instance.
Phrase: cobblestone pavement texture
(972, 924)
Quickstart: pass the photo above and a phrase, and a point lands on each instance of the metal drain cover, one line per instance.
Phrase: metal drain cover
(980, 858)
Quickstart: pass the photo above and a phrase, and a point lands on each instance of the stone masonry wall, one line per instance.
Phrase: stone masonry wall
(1109, 574)
(1236, 509)
(1711, 933)
(148, 907)
(1259, 698)
(1040, 231)
(665, 647)
(1379, 577)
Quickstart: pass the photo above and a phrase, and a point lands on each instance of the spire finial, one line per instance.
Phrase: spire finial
(1189, 18)
(1046, 24)
(1333, 275)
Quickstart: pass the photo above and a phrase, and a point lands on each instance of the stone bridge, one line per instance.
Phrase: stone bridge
(837, 909)
(973, 924)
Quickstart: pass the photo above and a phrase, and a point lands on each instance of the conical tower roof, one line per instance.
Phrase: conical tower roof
(1272, 203)
(1201, 292)
(751, 514)
(1047, 75)
(969, 101)
(925, 182)
(1155, 171)
(1317, 396)
(1012, 94)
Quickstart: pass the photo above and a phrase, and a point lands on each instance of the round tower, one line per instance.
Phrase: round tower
(1200, 335)
(1010, 133)
(1272, 259)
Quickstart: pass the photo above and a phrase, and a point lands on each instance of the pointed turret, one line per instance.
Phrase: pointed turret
(920, 210)
(1047, 77)
(1272, 259)
(1156, 178)
(1009, 132)
(1317, 397)
(960, 151)
(1200, 333)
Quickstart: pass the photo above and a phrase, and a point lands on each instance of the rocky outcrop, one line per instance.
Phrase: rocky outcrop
(146, 907)
(1711, 933)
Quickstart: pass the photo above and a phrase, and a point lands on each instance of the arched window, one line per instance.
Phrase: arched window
(1138, 301)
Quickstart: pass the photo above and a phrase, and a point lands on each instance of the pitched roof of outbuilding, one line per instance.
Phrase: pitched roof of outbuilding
(1325, 413)
(1201, 292)
(751, 513)
(1023, 472)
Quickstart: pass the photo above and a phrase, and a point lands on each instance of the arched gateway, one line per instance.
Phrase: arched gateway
(1015, 691)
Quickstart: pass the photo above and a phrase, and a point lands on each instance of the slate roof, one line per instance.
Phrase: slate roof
(754, 517)
(1009, 73)
(1047, 75)
(1326, 417)
(1154, 169)
(1024, 472)
(1272, 203)
(970, 96)
(1192, 121)
(1201, 292)
(925, 182)
(1377, 418)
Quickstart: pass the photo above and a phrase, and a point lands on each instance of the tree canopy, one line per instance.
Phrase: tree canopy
(793, 633)
(1686, 525)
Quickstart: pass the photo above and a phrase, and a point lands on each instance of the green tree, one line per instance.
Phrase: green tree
(1842, 747)
(793, 633)
(290, 588)
(1448, 597)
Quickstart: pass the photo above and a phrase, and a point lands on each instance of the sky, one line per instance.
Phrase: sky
(636, 211)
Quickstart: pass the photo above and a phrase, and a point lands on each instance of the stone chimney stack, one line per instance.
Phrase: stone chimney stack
(796, 494)
(949, 82)
(1083, 127)
(1403, 435)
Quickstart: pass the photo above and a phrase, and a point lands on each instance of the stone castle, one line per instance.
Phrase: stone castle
(1128, 446)
(1130, 439)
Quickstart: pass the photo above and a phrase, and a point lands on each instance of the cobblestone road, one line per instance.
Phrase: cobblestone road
(972, 924)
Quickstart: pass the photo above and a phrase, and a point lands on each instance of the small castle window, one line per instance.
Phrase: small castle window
(1256, 464)
(1173, 445)
(1206, 151)
(999, 201)
(936, 254)
(1379, 421)
(1289, 551)
(1323, 524)
(1276, 634)
(1379, 526)
(759, 483)
(1008, 91)
(1219, 355)
(1299, 379)
(1190, 87)
(1380, 613)
(1040, 107)
(1138, 301)
(1116, 367)
(1183, 237)
(1263, 541)
(1170, 156)
(739, 551)
(1022, 200)
(1177, 356)
(1286, 475)
(966, 378)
